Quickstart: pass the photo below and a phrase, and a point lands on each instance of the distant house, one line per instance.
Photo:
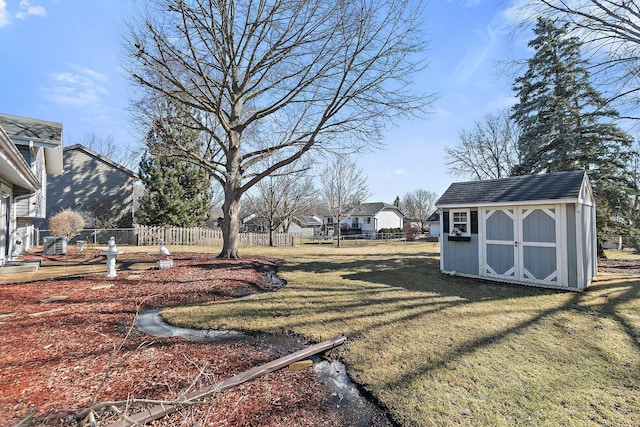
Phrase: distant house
(367, 218)
(434, 224)
(538, 230)
(307, 226)
(98, 188)
(30, 149)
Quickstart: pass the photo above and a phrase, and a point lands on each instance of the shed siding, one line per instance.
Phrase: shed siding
(499, 227)
(537, 229)
(572, 249)
(462, 257)
(589, 243)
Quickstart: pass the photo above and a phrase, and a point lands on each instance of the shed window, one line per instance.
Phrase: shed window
(460, 220)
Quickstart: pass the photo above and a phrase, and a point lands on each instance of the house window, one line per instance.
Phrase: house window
(329, 220)
(367, 220)
(460, 223)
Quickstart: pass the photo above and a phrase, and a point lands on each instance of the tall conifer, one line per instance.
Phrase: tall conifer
(176, 193)
(566, 125)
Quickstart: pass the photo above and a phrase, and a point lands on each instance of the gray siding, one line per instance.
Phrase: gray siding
(92, 186)
(572, 250)
(461, 257)
(589, 243)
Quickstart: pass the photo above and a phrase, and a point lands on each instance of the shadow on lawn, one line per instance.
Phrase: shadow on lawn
(419, 273)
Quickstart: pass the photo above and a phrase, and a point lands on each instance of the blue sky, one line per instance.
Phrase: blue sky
(61, 61)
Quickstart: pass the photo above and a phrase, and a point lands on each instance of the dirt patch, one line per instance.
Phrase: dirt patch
(59, 356)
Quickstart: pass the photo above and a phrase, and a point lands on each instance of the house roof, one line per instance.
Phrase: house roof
(527, 188)
(370, 209)
(14, 169)
(434, 217)
(308, 221)
(23, 130)
(90, 152)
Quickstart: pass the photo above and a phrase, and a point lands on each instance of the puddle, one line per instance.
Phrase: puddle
(353, 408)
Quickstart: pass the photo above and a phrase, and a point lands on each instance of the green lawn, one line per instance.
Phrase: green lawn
(442, 350)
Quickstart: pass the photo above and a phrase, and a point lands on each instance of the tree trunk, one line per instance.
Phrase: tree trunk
(271, 231)
(601, 253)
(231, 206)
(230, 228)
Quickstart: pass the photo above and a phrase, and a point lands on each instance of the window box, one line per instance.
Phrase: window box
(459, 238)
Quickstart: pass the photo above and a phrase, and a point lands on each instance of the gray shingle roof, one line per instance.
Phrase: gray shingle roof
(31, 128)
(550, 186)
(370, 209)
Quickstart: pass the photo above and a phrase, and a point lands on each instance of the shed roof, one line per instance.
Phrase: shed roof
(527, 188)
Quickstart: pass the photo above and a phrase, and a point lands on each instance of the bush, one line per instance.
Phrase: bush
(411, 232)
(390, 230)
(66, 223)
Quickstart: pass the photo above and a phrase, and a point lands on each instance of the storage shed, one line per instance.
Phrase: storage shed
(538, 230)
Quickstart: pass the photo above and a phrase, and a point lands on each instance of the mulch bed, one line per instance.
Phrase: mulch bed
(68, 344)
(622, 266)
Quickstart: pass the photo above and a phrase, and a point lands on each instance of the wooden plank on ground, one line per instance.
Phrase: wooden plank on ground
(160, 411)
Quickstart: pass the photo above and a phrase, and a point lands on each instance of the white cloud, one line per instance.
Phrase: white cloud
(27, 9)
(79, 87)
(475, 57)
(399, 171)
(4, 14)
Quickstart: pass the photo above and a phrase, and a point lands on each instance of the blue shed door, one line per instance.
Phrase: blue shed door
(521, 243)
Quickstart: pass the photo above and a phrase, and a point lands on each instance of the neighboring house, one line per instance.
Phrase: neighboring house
(368, 219)
(537, 230)
(307, 226)
(98, 188)
(253, 223)
(30, 149)
(433, 222)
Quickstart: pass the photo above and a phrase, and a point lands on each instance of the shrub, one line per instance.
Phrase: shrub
(66, 223)
(411, 232)
(390, 230)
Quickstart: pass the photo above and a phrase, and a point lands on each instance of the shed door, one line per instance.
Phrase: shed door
(521, 243)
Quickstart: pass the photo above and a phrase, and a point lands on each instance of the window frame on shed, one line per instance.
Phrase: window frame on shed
(454, 224)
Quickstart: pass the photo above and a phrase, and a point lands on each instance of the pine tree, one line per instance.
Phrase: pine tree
(176, 193)
(567, 125)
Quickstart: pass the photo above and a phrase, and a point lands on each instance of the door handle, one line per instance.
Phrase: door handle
(516, 244)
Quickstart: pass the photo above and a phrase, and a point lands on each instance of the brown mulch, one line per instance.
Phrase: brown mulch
(68, 344)
(622, 266)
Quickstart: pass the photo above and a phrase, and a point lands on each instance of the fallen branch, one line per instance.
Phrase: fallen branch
(161, 409)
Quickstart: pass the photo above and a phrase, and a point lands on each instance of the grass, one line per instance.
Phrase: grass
(443, 350)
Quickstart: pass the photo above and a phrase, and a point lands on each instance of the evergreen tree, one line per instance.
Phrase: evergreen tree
(176, 193)
(566, 125)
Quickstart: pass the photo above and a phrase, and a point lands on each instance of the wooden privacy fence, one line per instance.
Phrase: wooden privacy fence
(198, 236)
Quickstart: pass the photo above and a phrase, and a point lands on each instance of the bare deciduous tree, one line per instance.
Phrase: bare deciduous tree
(418, 205)
(488, 151)
(611, 29)
(106, 146)
(343, 187)
(280, 197)
(270, 76)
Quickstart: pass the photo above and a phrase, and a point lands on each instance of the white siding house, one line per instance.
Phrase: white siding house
(367, 219)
